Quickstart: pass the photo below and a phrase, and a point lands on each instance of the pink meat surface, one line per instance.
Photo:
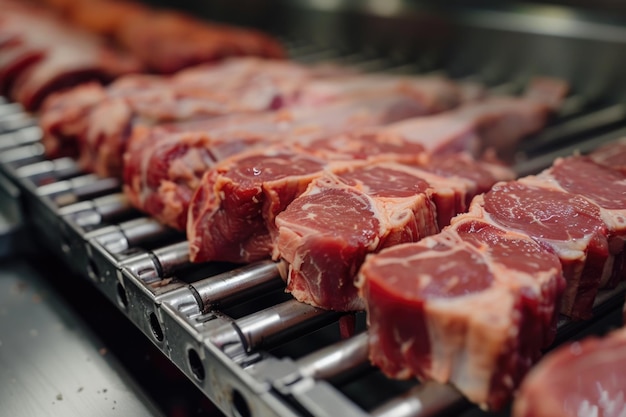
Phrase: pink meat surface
(324, 235)
(236, 200)
(472, 306)
(36, 63)
(220, 138)
(584, 378)
(567, 224)
(63, 118)
(612, 155)
(606, 188)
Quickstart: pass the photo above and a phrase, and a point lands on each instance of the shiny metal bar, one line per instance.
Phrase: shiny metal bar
(70, 191)
(7, 108)
(281, 321)
(560, 133)
(239, 283)
(426, 400)
(20, 137)
(51, 190)
(99, 210)
(15, 121)
(142, 230)
(54, 169)
(22, 155)
(172, 257)
(534, 165)
(335, 359)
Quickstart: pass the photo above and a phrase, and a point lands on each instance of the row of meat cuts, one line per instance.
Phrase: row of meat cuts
(47, 49)
(378, 192)
(483, 295)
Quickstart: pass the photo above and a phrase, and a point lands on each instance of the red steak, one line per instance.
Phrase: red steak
(584, 378)
(472, 306)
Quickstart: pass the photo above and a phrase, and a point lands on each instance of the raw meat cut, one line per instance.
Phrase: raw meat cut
(583, 378)
(576, 208)
(493, 123)
(235, 201)
(241, 85)
(166, 146)
(324, 235)
(606, 188)
(319, 256)
(472, 306)
(264, 182)
(165, 41)
(168, 41)
(35, 63)
(63, 118)
(565, 217)
(564, 223)
(612, 155)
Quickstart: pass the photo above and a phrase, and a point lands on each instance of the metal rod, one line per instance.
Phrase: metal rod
(534, 165)
(60, 187)
(15, 121)
(7, 108)
(57, 168)
(112, 205)
(172, 257)
(23, 154)
(20, 137)
(142, 230)
(95, 212)
(288, 319)
(335, 359)
(239, 283)
(559, 133)
(70, 191)
(425, 400)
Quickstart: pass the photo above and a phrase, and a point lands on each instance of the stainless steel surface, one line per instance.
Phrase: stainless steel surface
(49, 170)
(335, 359)
(424, 400)
(11, 219)
(238, 284)
(51, 364)
(20, 137)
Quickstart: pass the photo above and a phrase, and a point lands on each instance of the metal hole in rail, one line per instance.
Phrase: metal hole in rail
(122, 298)
(240, 405)
(93, 270)
(155, 326)
(195, 364)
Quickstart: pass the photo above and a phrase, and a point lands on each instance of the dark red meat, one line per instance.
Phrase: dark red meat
(567, 224)
(607, 189)
(241, 85)
(472, 306)
(612, 155)
(325, 234)
(236, 133)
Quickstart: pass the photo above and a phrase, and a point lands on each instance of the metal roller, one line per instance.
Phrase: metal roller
(335, 359)
(70, 191)
(22, 155)
(240, 283)
(50, 169)
(425, 400)
(172, 257)
(99, 210)
(20, 137)
(15, 121)
(7, 108)
(286, 320)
